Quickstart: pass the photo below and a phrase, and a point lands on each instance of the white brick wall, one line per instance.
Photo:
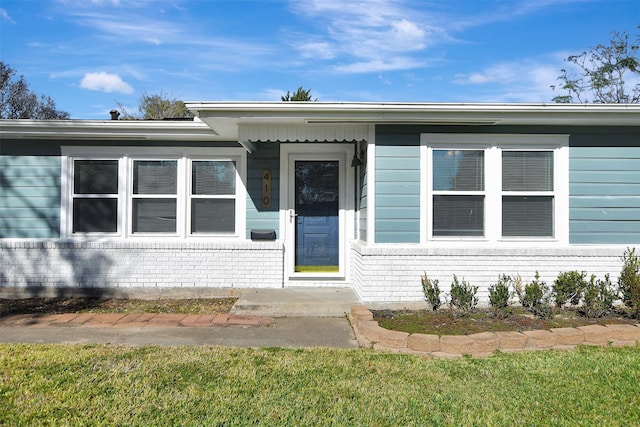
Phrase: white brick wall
(392, 273)
(118, 264)
(377, 273)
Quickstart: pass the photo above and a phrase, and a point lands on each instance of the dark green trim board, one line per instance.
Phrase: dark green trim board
(30, 196)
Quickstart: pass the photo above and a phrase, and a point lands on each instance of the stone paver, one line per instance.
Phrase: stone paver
(568, 336)
(485, 343)
(144, 320)
(424, 342)
(624, 332)
(595, 334)
(540, 339)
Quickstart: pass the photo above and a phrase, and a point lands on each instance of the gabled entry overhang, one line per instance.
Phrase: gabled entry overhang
(249, 122)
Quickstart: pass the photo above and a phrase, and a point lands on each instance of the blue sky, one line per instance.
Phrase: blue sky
(90, 55)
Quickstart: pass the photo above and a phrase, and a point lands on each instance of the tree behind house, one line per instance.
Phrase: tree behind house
(299, 95)
(606, 73)
(17, 101)
(157, 107)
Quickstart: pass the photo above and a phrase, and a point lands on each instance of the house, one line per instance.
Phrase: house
(361, 195)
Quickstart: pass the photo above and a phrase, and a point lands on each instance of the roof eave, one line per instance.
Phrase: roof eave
(224, 117)
(108, 130)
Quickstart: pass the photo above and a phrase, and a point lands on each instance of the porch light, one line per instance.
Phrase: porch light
(355, 161)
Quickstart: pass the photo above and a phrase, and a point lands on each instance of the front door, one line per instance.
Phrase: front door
(317, 231)
(316, 194)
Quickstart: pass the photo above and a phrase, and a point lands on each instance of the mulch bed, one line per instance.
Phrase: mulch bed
(112, 305)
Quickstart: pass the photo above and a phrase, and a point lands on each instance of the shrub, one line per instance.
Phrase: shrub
(599, 296)
(463, 295)
(629, 281)
(569, 287)
(535, 296)
(431, 291)
(500, 296)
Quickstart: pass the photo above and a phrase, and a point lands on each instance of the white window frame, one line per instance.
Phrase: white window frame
(126, 156)
(130, 197)
(493, 145)
(68, 195)
(190, 196)
(433, 192)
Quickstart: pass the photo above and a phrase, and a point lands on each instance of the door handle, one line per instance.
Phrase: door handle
(292, 214)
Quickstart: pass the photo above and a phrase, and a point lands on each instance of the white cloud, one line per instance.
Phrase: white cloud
(365, 37)
(391, 64)
(527, 80)
(101, 2)
(318, 50)
(5, 16)
(105, 82)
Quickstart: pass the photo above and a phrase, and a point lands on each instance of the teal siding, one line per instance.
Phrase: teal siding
(267, 156)
(604, 195)
(29, 196)
(397, 178)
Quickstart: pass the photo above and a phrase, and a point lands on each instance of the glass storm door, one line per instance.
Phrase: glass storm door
(317, 237)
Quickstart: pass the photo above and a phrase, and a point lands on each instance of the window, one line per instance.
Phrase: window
(527, 193)
(213, 191)
(134, 195)
(495, 187)
(95, 196)
(154, 196)
(458, 192)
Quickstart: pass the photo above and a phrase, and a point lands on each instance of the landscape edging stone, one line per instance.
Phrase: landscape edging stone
(370, 334)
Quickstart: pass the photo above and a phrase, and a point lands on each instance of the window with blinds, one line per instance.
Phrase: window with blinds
(495, 188)
(213, 196)
(458, 192)
(527, 194)
(154, 196)
(137, 192)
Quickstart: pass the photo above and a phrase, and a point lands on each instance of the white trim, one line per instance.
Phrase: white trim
(126, 156)
(225, 117)
(493, 145)
(289, 153)
(117, 130)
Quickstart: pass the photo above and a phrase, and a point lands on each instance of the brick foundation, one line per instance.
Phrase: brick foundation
(32, 264)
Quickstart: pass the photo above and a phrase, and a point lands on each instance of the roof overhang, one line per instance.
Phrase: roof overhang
(227, 118)
(109, 130)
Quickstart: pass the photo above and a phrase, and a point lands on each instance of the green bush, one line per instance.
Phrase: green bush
(599, 296)
(463, 295)
(431, 291)
(569, 287)
(500, 296)
(629, 281)
(535, 296)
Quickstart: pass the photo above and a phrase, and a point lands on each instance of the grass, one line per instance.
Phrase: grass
(117, 385)
(444, 322)
(114, 305)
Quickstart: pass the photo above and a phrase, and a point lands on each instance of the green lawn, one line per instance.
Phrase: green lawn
(118, 385)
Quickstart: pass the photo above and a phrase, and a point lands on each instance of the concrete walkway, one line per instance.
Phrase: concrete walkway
(289, 317)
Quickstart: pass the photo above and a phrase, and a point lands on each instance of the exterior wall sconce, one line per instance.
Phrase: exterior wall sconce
(355, 161)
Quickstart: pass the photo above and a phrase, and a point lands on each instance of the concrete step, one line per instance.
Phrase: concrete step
(296, 302)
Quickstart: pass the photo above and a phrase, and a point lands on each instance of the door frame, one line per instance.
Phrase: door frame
(289, 154)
